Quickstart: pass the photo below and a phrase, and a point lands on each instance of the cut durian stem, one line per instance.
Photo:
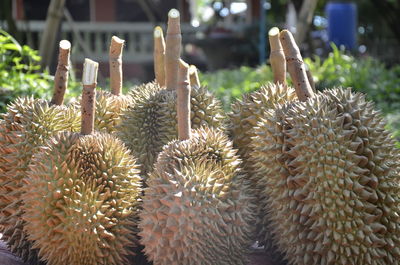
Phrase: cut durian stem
(159, 54)
(277, 57)
(89, 80)
(172, 49)
(296, 66)
(61, 75)
(194, 76)
(310, 77)
(115, 60)
(183, 101)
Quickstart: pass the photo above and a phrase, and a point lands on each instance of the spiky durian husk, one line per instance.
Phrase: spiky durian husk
(108, 110)
(197, 208)
(247, 112)
(243, 119)
(151, 121)
(26, 125)
(331, 175)
(81, 200)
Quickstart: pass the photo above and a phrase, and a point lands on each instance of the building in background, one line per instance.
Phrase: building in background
(90, 24)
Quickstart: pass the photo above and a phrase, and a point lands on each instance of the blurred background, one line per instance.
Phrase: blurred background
(344, 43)
(216, 34)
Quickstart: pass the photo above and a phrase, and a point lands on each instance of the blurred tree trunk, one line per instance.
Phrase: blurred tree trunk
(48, 40)
(390, 13)
(6, 14)
(304, 20)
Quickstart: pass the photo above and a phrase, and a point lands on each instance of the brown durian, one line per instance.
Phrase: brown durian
(150, 122)
(330, 174)
(197, 208)
(82, 193)
(24, 127)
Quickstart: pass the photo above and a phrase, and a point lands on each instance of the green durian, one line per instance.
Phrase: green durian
(150, 122)
(197, 208)
(331, 178)
(243, 119)
(24, 127)
(82, 194)
(330, 172)
(109, 108)
(247, 112)
(111, 104)
(81, 200)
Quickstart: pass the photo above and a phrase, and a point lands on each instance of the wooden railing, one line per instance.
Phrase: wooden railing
(92, 40)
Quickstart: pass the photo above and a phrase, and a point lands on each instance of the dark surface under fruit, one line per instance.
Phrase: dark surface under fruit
(6, 258)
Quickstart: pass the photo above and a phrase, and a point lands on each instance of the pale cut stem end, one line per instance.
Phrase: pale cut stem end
(183, 102)
(88, 106)
(296, 66)
(194, 76)
(277, 57)
(173, 13)
(273, 33)
(115, 61)
(172, 50)
(61, 75)
(158, 32)
(159, 54)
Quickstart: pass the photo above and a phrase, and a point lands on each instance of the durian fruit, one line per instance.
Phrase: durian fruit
(243, 119)
(109, 106)
(150, 122)
(247, 111)
(196, 209)
(331, 176)
(82, 193)
(24, 127)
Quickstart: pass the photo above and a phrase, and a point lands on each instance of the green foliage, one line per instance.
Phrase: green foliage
(365, 75)
(230, 84)
(18, 71)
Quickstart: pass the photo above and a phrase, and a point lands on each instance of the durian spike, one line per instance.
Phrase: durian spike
(172, 49)
(89, 81)
(277, 57)
(61, 75)
(183, 101)
(296, 66)
(194, 76)
(159, 54)
(115, 60)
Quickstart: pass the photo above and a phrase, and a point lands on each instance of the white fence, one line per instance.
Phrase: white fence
(92, 39)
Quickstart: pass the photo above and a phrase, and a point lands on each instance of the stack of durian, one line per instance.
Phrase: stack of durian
(313, 177)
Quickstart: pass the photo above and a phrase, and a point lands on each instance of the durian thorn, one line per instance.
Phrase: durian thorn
(172, 49)
(61, 75)
(89, 81)
(295, 66)
(183, 101)
(194, 76)
(159, 54)
(115, 61)
(277, 57)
